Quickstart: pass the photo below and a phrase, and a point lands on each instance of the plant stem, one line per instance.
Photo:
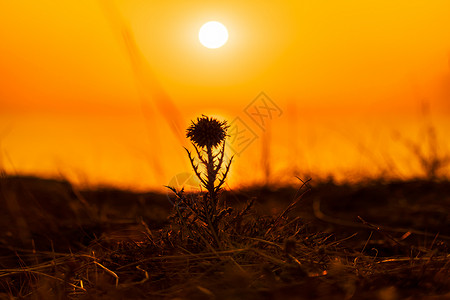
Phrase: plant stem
(211, 179)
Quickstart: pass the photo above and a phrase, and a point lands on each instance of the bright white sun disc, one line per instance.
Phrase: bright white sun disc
(213, 35)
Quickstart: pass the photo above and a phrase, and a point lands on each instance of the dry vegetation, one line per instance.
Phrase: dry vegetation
(305, 243)
(373, 240)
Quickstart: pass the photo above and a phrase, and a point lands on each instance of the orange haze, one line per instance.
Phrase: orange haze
(102, 91)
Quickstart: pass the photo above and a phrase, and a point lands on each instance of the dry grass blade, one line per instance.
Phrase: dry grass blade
(109, 272)
(290, 206)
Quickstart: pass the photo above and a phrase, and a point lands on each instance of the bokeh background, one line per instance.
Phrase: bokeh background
(100, 92)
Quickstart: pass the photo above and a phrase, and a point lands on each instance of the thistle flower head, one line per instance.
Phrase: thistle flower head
(207, 132)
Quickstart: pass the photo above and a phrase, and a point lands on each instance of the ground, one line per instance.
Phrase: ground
(371, 240)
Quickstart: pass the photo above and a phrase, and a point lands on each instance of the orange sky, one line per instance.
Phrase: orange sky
(96, 90)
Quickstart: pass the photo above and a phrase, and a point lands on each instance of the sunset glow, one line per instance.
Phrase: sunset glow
(103, 91)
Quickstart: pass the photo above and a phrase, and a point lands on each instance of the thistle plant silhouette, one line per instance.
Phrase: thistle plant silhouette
(207, 136)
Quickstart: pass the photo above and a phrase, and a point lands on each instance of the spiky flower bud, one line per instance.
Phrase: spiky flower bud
(207, 132)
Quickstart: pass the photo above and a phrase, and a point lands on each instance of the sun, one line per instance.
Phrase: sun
(213, 35)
